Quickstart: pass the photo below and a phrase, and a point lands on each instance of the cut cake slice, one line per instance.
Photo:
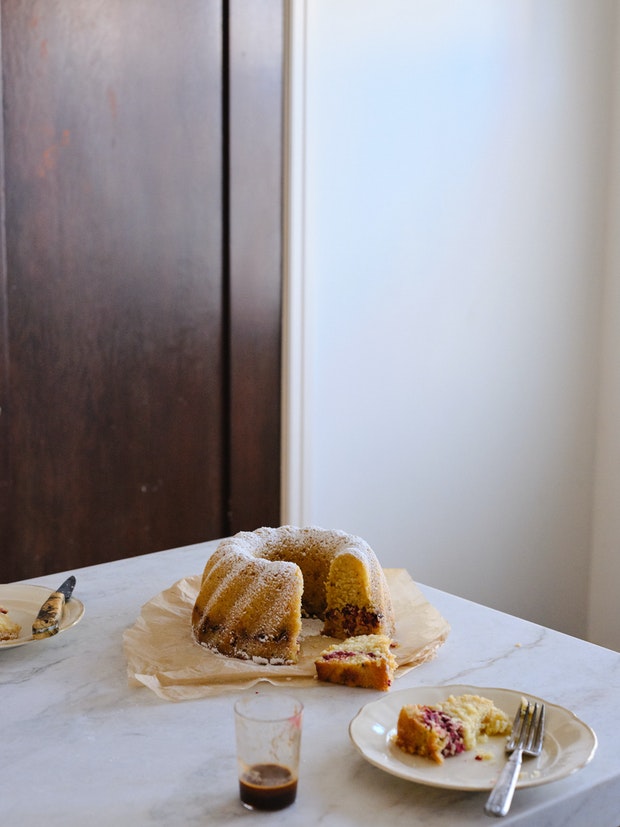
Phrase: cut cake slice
(364, 660)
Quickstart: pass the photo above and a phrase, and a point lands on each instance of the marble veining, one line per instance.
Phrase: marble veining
(80, 746)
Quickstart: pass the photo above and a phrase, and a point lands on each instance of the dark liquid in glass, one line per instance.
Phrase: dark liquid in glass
(268, 787)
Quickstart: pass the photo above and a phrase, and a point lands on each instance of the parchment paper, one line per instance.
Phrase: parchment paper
(162, 655)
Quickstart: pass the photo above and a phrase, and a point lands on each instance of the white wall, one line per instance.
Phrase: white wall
(447, 206)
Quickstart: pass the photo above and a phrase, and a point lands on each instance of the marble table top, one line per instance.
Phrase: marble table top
(81, 747)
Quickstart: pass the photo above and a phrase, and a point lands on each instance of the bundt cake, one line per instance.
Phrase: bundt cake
(365, 660)
(449, 728)
(256, 586)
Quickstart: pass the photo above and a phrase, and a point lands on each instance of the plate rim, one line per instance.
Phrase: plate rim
(66, 623)
(408, 774)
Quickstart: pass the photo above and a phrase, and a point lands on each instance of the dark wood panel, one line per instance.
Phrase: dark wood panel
(256, 164)
(113, 181)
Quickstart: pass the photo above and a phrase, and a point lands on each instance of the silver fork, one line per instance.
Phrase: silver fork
(526, 739)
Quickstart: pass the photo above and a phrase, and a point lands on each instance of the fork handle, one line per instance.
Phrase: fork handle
(500, 799)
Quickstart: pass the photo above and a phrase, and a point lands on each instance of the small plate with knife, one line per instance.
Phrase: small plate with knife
(40, 611)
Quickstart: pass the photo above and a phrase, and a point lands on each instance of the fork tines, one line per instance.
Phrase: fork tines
(528, 727)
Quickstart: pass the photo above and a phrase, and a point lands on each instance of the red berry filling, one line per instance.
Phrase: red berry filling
(447, 726)
(340, 655)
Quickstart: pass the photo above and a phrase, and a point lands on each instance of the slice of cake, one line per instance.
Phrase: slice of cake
(457, 724)
(364, 660)
(9, 630)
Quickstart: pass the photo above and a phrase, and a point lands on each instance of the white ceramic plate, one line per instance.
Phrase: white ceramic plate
(23, 601)
(569, 744)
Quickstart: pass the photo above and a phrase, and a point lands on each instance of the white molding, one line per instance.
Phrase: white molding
(293, 506)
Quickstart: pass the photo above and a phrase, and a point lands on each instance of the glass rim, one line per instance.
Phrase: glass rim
(242, 707)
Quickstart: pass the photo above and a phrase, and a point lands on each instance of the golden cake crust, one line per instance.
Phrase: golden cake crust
(256, 586)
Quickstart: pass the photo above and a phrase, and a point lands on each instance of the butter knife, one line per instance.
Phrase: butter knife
(50, 613)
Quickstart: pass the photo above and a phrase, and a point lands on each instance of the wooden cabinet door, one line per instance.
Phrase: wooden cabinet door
(117, 364)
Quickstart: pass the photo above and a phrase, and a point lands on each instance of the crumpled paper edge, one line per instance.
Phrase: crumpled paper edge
(162, 655)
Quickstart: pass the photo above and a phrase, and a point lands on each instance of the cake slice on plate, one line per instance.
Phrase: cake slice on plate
(457, 724)
(9, 630)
